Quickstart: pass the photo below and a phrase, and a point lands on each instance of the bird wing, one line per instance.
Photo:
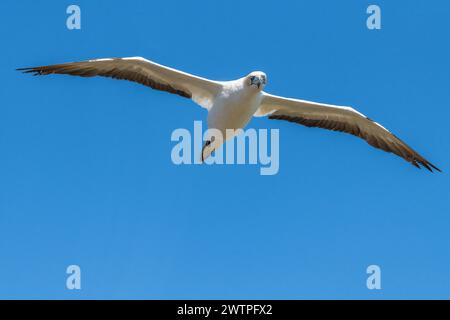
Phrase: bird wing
(337, 118)
(140, 70)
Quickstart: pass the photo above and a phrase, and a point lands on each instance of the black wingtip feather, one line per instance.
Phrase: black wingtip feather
(434, 167)
(427, 165)
(34, 71)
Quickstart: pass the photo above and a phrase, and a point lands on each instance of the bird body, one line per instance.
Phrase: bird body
(232, 104)
(232, 109)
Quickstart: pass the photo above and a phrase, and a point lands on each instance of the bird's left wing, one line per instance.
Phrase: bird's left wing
(337, 118)
(140, 70)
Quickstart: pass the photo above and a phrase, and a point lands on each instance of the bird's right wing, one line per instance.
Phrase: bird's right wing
(137, 69)
(337, 118)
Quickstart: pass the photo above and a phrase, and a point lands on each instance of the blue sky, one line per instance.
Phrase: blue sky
(87, 178)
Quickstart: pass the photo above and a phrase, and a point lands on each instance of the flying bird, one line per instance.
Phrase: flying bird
(231, 104)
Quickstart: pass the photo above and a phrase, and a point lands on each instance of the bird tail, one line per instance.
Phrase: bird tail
(207, 149)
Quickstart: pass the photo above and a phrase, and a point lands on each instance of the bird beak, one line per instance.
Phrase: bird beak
(257, 82)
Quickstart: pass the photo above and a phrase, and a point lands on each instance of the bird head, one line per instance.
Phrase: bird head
(257, 79)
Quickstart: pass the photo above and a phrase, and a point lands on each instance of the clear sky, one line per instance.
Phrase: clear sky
(87, 177)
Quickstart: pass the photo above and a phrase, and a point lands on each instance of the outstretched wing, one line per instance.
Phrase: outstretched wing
(337, 118)
(140, 70)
